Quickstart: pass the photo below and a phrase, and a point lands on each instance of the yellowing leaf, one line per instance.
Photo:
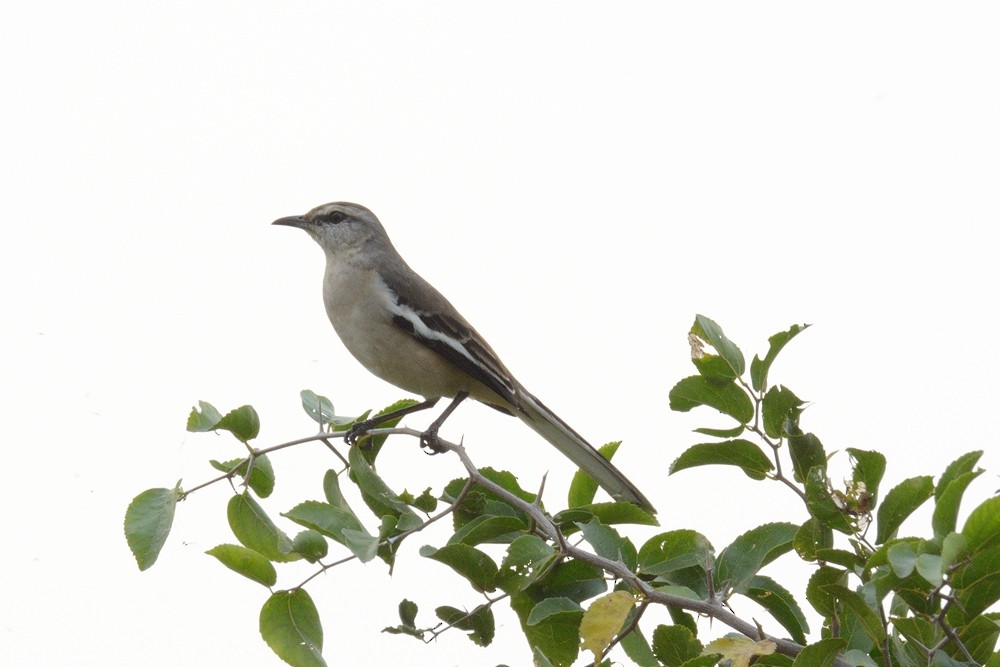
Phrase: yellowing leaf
(602, 621)
(739, 649)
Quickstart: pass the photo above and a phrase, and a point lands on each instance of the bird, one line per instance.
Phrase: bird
(400, 328)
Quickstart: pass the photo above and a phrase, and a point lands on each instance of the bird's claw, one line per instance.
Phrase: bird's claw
(358, 431)
(431, 443)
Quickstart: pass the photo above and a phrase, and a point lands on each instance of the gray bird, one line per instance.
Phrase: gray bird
(404, 331)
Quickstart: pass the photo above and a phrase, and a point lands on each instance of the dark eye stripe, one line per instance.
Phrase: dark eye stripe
(335, 217)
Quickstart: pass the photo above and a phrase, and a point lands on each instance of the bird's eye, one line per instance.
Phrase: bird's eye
(335, 216)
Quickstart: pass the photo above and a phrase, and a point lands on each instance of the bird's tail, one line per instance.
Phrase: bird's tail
(548, 425)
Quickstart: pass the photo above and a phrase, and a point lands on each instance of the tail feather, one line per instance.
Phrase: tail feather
(548, 425)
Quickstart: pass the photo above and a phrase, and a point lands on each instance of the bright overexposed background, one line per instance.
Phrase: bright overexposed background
(579, 179)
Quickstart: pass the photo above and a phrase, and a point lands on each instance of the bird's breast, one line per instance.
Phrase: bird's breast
(357, 303)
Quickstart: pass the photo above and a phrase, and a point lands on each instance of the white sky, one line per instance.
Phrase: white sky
(579, 180)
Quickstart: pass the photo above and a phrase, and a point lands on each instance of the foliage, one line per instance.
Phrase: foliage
(885, 600)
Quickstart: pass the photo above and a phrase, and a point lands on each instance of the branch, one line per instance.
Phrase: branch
(549, 529)
(254, 453)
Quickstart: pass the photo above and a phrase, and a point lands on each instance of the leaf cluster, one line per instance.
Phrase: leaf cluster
(576, 583)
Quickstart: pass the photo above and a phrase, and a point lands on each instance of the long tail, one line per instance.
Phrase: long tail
(545, 422)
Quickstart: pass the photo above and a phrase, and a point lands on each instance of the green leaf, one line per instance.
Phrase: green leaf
(320, 409)
(759, 368)
(489, 528)
(821, 654)
(982, 528)
(739, 563)
(376, 493)
(712, 367)
(674, 550)
(856, 657)
(902, 558)
(817, 593)
(373, 445)
(722, 432)
(332, 492)
(869, 468)
(310, 544)
(290, 625)
(471, 563)
(677, 615)
(806, 452)
(929, 567)
(478, 623)
(780, 604)
(920, 630)
(638, 649)
(607, 543)
(609, 514)
(425, 502)
(203, 418)
(881, 555)
(147, 523)
(953, 547)
(572, 579)
(327, 519)
(740, 453)
(408, 613)
(978, 582)
(673, 645)
(946, 508)
(899, 503)
(710, 332)
(980, 637)
(781, 409)
(728, 398)
(242, 422)
(846, 559)
(247, 562)
(261, 475)
(528, 557)
(583, 488)
(822, 505)
(963, 464)
(552, 627)
(363, 544)
(709, 660)
(539, 659)
(408, 618)
(870, 621)
(812, 537)
(255, 530)
(550, 607)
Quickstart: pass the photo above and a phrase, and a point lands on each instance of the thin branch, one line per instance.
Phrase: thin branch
(945, 627)
(254, 453)
(435, 632)
(633, 624)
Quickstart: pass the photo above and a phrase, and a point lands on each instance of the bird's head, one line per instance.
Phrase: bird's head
(339, 226)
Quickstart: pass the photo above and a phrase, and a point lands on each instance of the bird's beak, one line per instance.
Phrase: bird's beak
(292, 221)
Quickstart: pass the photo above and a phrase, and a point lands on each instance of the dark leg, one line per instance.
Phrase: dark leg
(429, 439)
(361, 428)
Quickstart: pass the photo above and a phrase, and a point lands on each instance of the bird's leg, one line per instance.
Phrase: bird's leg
(362, 427)
(429, 438)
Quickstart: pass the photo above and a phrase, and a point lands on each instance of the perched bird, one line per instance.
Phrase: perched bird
(404, 331)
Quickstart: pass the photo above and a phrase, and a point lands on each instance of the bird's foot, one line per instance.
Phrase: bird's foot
(358, 431)
(431, 443)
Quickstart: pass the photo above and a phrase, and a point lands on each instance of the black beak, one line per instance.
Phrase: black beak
(292, 221)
